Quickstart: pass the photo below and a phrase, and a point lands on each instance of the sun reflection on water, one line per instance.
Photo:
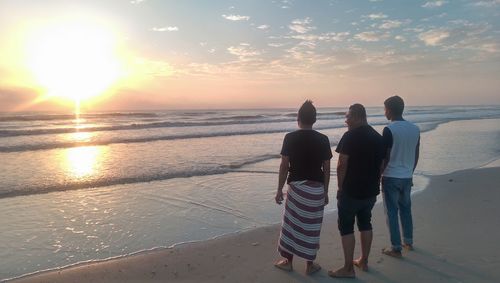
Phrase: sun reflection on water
(83, 161)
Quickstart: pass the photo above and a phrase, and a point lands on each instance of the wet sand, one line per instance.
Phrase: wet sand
(457, 227)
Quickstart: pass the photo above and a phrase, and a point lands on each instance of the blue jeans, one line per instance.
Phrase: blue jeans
(397, 202)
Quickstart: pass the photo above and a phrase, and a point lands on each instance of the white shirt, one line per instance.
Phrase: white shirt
(405, 137)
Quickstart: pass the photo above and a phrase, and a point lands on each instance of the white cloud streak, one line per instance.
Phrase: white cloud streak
(376, 16)
(236, 17)
(390, 24)
(434, 4)
(301, 25)
(369, 36)
(487, 3)
(162, 29)
(434, 37)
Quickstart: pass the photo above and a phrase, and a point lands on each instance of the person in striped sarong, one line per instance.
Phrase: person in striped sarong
(305, 158)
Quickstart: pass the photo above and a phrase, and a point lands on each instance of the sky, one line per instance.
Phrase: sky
(193, 54)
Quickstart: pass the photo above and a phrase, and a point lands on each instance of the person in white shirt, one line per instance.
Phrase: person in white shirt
(402, 143)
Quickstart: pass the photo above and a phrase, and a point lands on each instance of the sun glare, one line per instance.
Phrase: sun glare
(73, 61)
(82, 162)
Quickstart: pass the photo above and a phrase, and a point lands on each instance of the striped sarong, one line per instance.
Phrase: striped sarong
(302, 219)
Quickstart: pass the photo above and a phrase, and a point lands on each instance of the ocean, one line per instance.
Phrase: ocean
(111, 184)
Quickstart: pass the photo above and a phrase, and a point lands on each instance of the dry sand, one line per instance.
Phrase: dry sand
(457, 227)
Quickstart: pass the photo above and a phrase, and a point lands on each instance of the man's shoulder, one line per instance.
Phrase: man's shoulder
(348, 134)
(292, 134)
(374, 132)
(402, 125)
(321, 135)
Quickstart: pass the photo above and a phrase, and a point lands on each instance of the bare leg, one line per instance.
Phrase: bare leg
(347, 270)
(366, 244)
(312, 267)
(286, 263)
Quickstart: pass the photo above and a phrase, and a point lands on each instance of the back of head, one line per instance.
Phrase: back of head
(358, 112)
(395, 105)
(307, 113)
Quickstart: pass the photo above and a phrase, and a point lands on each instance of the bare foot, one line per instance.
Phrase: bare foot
(391, 252)
(408, 247)
(362, 264)
(284, 264)
(312, 268)
(342, 273)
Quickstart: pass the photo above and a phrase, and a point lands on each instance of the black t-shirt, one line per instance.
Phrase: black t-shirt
(365, 149)
(307, 149)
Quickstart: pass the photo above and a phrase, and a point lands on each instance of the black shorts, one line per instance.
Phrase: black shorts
(350, 209)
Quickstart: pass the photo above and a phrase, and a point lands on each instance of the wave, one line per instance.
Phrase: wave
(218, 121)
(238, 117)
(105, 182)
(134, 126)
(238, 166)
(57, 145)
(424, 125)
(319, 114)
(51, 117)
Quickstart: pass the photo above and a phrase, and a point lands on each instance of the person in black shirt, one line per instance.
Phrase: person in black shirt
(358, 174)
(305, 157)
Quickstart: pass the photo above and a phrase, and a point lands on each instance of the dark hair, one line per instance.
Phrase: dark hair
(358, 111)
(395, 105)
(307, 113)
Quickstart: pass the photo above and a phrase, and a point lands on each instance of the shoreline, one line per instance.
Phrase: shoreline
(329, 211)
(248, 255)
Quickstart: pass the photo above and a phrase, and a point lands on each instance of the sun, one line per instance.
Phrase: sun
(73, 60)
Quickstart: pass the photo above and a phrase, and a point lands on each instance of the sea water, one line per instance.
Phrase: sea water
(103, 185)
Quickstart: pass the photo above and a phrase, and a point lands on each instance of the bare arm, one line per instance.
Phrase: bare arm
(341, 170)
(284, 166)
(417, 154)
(326, 181)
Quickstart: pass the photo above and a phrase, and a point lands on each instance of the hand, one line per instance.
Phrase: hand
(327, 199)
(279, 197)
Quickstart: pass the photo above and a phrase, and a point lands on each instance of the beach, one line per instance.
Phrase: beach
(144, 140)
(97, 203)
(456, 230)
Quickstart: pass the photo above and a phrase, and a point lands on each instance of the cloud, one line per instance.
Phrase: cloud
(162, 29)
(341, 36)
(434, 4)
(286, 4)
(434, 37)
(487, 3)
(301, 25)
(275, 44)
(137, 1)
(390, 24)
(369, 36)
(236, 17)
(263, 27)
(376, 16)
(389, 57)
(489, 47)
(400, 38)
(243, 51)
